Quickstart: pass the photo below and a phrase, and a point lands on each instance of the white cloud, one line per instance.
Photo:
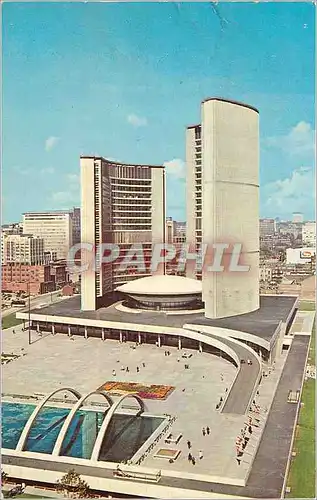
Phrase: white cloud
(175, 167)
(51, 142)
(47, 170)
(137, 121)
(62, 197)
(71, 195)
(299, 141)
(294, 193)
(73, 180)
(22, 170)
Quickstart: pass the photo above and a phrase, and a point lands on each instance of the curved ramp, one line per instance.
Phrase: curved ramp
(244, 386)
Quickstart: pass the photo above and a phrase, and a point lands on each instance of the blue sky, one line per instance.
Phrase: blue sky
(124, 80)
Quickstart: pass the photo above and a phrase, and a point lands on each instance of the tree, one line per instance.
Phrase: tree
(72, 485)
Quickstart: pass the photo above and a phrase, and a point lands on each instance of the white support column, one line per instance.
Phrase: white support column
(69, 330)
(200, 347)
(53, 329)
(139, 337)
(159, 340)
(86, 332)
(38, 327)
(120, 336)
(103, 333)
(179, 343)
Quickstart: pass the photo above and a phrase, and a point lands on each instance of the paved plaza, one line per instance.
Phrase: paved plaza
(85, 364)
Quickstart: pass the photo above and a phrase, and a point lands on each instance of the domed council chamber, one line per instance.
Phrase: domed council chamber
(163, 293)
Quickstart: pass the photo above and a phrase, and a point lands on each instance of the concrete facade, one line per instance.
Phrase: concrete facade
(222, 160)
(230, 183)
(122, 204)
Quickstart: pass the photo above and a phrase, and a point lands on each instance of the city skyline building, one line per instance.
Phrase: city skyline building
(122, 204)
(222, 157)
(297, 217)
(75, 215)
(267, 227)
(309, 234)
(56, 229)
(22, 249)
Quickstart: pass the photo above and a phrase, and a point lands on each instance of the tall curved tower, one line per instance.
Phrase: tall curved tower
(230, 203)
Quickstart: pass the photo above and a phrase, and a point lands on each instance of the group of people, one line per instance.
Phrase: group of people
(205, 432)
(127, 369)
(191, 457)
(245, 433)
(249, 361)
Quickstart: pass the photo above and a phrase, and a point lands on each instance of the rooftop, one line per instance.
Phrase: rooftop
(121, 163)
(263, 322)
(162, 285)
(238, 103)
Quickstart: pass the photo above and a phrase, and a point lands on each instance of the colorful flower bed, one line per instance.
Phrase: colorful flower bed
(144, 391)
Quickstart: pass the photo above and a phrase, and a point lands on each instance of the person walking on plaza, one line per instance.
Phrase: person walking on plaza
(127, 369)
(193, 461)
(137, 369)
(208, 430)
(200, 454)
(113, 373)
(189, 445)
(189, 457)
(203, 431)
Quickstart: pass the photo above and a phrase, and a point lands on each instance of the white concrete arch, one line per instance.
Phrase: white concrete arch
(26, 430)
(62, 434)
(105, 424)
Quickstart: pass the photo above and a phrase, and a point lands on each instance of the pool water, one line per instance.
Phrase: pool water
(125, 435)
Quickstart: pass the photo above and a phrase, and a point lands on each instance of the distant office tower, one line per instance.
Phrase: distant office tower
(222, 156)
(176, 236)
(298, 217)
(122, 204)
(22, 249)
(309, 234)
(55, 227)
(14, 228)
(170, 230)
(180, 231)
(267, 227)
(75, 215)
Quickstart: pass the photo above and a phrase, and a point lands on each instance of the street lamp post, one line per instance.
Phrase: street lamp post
(29, 311)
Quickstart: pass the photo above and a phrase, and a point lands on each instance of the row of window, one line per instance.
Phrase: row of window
(133, 227)
(130, 182)
(130, 172)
